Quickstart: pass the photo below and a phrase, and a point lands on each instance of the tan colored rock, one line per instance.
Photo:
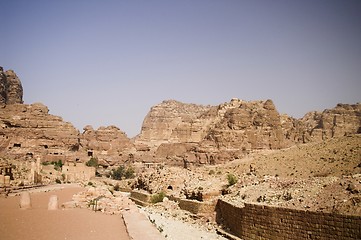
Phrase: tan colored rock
(109, 144)
(25, 200)
(342, 120)
(11, 90)
(172, 122)
(53, 203)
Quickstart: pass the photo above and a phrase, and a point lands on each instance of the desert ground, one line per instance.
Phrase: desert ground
(42, 224)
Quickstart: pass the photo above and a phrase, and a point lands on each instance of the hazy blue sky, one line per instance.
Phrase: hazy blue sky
(108, 62)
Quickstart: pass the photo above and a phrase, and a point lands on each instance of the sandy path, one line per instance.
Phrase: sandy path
(40, 224)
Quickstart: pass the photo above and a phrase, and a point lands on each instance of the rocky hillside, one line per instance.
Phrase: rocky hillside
(29, 132)
(172, 132)
(318, 176)
(187, 133)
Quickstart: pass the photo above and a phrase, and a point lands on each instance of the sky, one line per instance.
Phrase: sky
(104, 62)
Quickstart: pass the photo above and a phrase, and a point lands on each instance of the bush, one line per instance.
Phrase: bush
(129, 173)
(57, 165)
(232, 179)
(118, 173)
(57, 181)
(121, 172)
(93, 162)
(157, 197)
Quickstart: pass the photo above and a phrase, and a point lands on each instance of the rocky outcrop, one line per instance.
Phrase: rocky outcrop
(29, 131)
(172, 132)
(11, 90)
(109, 144)
(186, 133)
(172, 122)
(336, 122)
(191, 133)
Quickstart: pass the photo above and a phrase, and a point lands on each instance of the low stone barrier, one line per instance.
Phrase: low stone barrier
(140, 198)
(193, 206)
(267, 222)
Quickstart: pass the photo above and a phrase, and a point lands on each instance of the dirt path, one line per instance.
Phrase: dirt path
(41, 224)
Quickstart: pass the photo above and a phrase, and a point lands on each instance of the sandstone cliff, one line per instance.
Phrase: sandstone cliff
(172, 122)
(109, 144)
(172, 132)
(29, 131)
(336, 122)
(181, 133)
(11, 90)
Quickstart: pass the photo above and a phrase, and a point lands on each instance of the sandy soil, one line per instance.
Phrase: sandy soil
(39, 223)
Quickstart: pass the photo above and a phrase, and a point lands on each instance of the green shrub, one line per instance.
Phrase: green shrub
(157, 197)
(232, 179)
(57, 181)
(118, 173)
(90, 184)
(121, 172)
(93, 162)
(129, 173)
(211, 172)
(57, 164)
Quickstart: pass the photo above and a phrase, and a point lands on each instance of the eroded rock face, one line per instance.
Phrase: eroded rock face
(109, 144)
(185, 134)
(172, 122)
(11, 90)
(29, 131)
(336, 122)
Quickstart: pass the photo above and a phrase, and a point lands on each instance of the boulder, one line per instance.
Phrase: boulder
(25, 200)
(53, 203)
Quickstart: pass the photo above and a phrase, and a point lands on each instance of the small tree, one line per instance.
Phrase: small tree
(118, 173)
(121, 172)
(232, 179)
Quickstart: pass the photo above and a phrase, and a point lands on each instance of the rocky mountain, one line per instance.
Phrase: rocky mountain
(29, 132)
(172, 132)
(188, 133)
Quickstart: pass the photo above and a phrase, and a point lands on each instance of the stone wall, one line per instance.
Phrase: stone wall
(194, 206)
(266, 222)
(140, 198)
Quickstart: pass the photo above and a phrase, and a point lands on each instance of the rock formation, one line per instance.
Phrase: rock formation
(109, 144)
(181, 133)
(172, 122)
(172, 132)
(336, 122)
(11, 90)
(29, 131)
